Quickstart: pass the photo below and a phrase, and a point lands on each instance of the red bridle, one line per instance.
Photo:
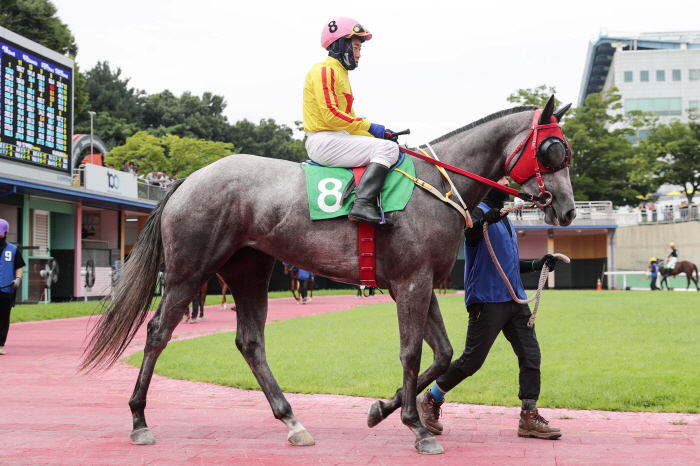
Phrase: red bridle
(538, 133)
(529, 162)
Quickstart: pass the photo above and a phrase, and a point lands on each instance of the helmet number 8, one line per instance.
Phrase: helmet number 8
(332, 27)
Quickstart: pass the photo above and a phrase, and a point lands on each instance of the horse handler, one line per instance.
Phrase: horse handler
(11, 264)
(492, 310)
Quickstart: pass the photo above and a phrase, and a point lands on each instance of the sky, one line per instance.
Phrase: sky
(431, 66)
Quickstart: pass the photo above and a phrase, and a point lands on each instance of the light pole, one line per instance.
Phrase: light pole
(92, 114)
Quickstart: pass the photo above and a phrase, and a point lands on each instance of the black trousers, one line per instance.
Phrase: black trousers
(197, 303)
(653, 284)
(486, 321)
(5, 310)
(304, 288)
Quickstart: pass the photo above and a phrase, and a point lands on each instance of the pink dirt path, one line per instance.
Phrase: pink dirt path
(49, 415)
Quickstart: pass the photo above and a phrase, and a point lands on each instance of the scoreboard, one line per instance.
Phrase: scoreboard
(36, 108)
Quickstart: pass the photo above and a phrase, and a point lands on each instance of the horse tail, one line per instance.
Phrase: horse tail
(127, 308)
(697, 277)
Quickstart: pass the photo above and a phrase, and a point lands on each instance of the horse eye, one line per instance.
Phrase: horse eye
(552, 153)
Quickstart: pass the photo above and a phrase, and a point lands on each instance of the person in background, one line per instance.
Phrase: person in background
(303, 278)
(519, 213)
(11, 264)
(125, 168)
(111, 166)
(672, 257)
(654, 268)
(164, 180)
(152, 178)
(493, 310)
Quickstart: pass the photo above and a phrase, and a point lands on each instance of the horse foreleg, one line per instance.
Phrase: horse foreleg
(413, 304)
(295, 288)
(160, 329)
(248, 275)
(436, 337)
(222, 284)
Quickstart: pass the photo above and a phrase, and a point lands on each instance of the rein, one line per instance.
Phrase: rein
(511, 191)
(543, 275)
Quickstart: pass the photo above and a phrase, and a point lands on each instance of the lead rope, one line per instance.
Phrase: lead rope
(543, 275)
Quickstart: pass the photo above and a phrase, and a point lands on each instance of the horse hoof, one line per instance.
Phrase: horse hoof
(429, 446)
(374, 414)
(142, 437)
(301, 438)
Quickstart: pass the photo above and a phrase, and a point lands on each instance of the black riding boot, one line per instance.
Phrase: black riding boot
(371, 183)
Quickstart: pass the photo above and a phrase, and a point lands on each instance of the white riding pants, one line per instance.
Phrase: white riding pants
(342, 149)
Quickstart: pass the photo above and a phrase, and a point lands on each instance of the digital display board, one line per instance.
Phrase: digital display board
(36, 108)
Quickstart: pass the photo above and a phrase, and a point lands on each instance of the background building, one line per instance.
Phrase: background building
(654, 72)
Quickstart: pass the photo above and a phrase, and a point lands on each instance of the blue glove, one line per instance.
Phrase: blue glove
(377, 130)
(389, 134)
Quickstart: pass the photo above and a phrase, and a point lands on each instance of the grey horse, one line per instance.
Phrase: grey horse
(236, 216)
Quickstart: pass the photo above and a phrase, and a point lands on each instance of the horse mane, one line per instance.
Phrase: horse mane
(486, 119)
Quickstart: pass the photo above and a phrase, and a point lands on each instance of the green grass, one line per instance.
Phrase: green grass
(600, 350)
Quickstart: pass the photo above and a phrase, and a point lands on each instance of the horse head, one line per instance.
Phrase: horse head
(538, 158)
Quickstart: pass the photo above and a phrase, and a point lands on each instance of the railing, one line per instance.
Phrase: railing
(585, 211)
(150, 191)
(663, 214)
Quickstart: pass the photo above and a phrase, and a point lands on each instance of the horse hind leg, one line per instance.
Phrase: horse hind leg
(160, 329)
(437, 339)
(248, 274)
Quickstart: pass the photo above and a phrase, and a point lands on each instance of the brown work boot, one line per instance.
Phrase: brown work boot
(535, 426)
(429, 411)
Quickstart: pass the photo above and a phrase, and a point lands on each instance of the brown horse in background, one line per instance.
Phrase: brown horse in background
(446, 283)
(686, 267)
(224, 288)
(290, 269)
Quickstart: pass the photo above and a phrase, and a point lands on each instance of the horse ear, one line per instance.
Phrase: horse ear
(559, 114)
(546, 115)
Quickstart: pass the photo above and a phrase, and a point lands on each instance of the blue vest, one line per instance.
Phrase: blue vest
(7, 267)
(482, 282)
(654, 269)
(304, 275)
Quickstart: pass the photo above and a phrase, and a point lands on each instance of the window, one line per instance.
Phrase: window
(676, 75)
(693, 105)
(694, 75)
(660, 75)
(644, 76)
(628, 76)
(660, 106)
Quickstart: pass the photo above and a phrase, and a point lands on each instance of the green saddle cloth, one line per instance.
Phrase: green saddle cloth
(325, 187)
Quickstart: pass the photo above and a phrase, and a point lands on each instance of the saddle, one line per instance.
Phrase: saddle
(331, 195)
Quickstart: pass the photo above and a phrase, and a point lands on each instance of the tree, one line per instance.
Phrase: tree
(36, 20)
(173, 153)
(190, 115)
(268, 139)
(109, 92)
(537, 96)
(112, 131)
(671, 155)
(602, 151)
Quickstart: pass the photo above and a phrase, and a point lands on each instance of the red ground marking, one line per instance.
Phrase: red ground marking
(50, 415)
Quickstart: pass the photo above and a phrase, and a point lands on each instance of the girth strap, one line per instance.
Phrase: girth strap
(366, 237)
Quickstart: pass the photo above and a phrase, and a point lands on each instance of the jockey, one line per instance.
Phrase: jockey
(672, 257)
(335, 137)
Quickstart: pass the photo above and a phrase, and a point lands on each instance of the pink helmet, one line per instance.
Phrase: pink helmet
(339, 28)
